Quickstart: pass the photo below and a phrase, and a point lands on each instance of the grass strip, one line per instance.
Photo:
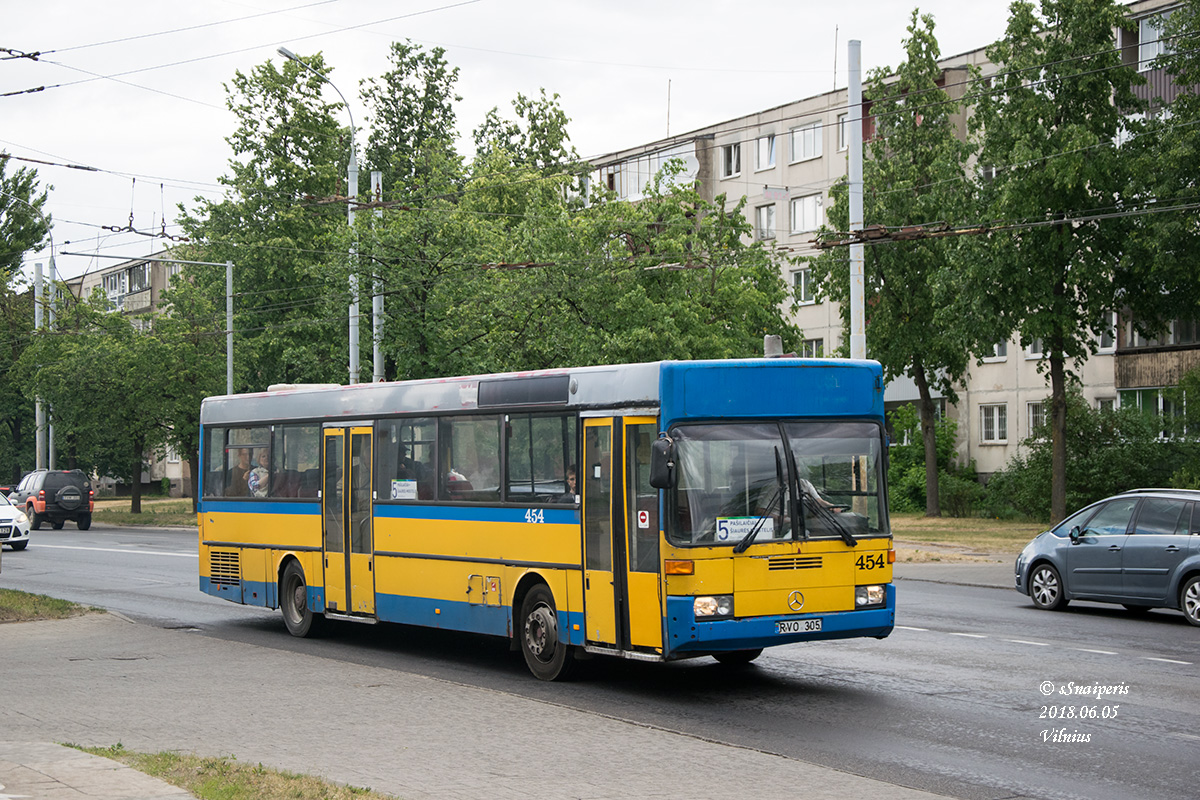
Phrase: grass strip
(24, 607)
(226, 778)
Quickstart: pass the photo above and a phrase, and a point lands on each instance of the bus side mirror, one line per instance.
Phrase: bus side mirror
(662, 463)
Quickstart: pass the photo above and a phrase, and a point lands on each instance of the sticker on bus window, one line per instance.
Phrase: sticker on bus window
(734, 529)
(404, 490)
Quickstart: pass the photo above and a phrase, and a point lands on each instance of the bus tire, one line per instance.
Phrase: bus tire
(738, 658)
(300, 620)
(548, 658)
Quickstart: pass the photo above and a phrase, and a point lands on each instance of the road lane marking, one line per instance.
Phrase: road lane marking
(970, 635)
(909, 628)
(1167, 660)
(39, 545)
(1100, 652)
(1022, 641)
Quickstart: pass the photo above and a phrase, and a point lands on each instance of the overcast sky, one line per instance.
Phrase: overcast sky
(136, 87)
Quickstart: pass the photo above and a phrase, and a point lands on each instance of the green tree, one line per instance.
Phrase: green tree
(1047, 124)
(283, 209)
(913, 176)
(412, 121)
(104, 380)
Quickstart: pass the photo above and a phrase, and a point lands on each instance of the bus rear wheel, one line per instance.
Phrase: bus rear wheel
(547, 657)
(737, 658)
(293, 601)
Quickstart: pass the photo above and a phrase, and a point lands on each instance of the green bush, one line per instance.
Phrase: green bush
(1107, 452)
(959, 491)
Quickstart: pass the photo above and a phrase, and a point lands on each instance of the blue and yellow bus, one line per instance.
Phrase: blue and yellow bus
(649, 511)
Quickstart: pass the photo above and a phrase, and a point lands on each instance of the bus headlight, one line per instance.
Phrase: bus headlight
(865, 596)
(718, 606)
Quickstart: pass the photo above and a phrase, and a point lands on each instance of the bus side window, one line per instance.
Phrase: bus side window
(469, 459)
(404, 459)
(214, 468)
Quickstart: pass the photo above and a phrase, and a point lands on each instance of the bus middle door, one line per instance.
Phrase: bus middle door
(346, 514)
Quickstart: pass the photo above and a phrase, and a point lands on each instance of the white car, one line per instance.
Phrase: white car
(14, 525)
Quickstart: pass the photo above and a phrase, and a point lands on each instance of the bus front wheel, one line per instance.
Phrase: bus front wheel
(547, 657)
(293, 600)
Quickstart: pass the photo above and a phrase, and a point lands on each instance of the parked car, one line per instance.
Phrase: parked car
(55, 496)
(14, 525)
(1140, 548)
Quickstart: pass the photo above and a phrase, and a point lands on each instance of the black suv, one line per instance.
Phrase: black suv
(56, 497)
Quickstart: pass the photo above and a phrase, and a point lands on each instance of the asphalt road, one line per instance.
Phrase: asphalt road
(953, 702)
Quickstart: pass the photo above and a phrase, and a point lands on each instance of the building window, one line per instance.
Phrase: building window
(1185, 331)
(139, 278)
(843, 132)
(764, 222)
(802, 286)
(1035, 349)
(806, 213)
(1037, 415)
(999, 352)
(806, 141)
(731, 160)
(764, 152)
(993, 424)
(1107, 339)
(1106, 404)
(812, 348)
(1150, 43)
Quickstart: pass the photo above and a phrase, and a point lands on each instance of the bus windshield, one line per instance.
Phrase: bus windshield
(735, 480)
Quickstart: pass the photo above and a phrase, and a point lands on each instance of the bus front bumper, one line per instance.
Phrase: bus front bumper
(686, 636)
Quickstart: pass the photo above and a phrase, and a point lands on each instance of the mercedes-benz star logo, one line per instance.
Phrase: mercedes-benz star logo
(795, 601)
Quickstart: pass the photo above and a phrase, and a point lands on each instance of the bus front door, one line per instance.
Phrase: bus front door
(622, 598)
(346, 521)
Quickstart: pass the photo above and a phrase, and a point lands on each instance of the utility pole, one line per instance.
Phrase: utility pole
(858, 324)
(50, 412)
(40, 409)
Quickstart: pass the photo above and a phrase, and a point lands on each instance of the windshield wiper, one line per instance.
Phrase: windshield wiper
(798, 523)
(748, 539)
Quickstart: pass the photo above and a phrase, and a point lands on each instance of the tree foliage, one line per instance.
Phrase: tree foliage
(412, 123)
(24, 224)
(273, 224)
(105, 382)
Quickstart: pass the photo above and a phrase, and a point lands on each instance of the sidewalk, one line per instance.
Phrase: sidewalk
(51, 771)
(98, 680)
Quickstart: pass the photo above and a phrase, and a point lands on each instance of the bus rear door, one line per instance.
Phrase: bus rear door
(622, 583)
(346, 519)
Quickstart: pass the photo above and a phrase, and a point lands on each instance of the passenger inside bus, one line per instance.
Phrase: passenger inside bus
(236, 486)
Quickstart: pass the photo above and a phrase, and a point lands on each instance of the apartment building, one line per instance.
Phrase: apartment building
(785, 159)
(135, 289)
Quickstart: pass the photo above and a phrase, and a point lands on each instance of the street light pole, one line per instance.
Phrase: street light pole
(352, 185)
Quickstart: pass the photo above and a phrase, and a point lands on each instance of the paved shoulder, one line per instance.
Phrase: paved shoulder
(102, 680)
(50, 771)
